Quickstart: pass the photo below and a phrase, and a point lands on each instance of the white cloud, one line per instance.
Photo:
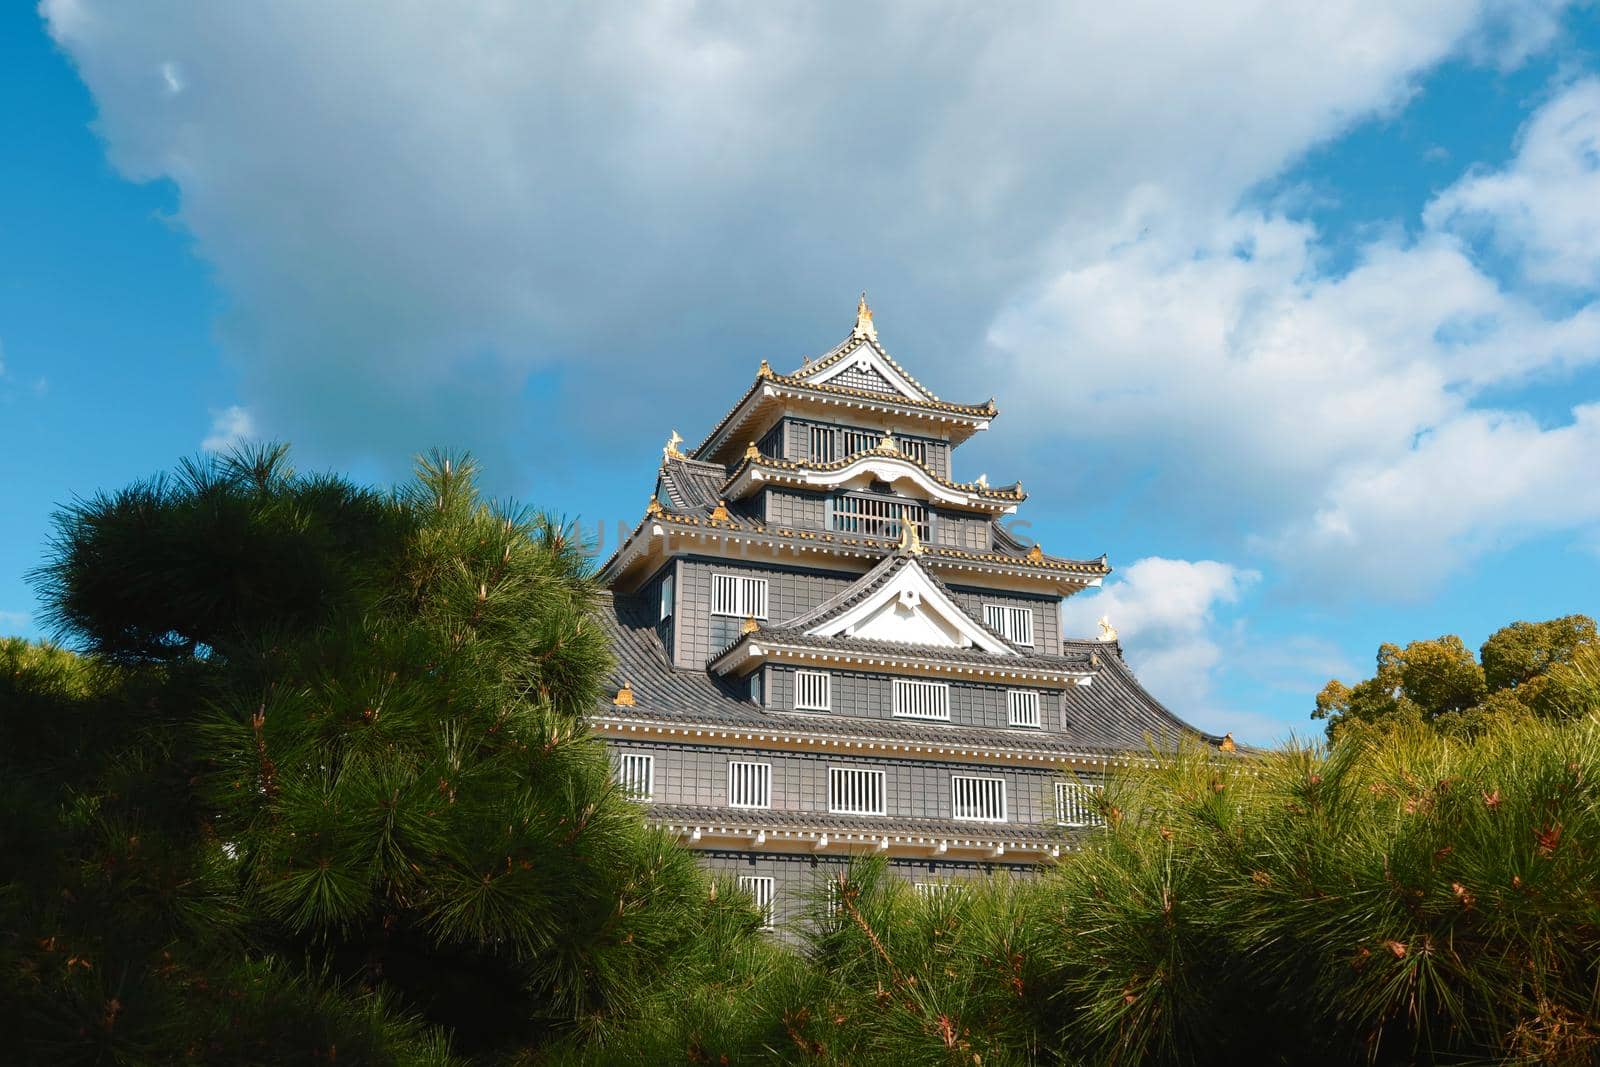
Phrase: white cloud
(1165, 612)
(1334, 415)
(1543, 209)
(230, 426)
(411, 209)
(1481, 481)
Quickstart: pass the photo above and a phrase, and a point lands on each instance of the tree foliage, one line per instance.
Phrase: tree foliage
(317, 786)
(1523, 669)
(320, 783)
(1402, 898)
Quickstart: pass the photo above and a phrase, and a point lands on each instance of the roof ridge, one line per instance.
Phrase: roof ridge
(881, 450)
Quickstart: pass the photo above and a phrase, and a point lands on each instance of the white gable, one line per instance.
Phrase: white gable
(863, 368)
(911, 608)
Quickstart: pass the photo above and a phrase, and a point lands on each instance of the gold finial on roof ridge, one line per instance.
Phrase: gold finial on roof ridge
(749, 626)
(624, 697)
(1035, 554)
(765, 370)
(864, 327)
(1227, 743)
(751, 451)
(887, 444)
(671, 450)
(1107, 631)
(654, 508)
(720, 512)
(981, 481)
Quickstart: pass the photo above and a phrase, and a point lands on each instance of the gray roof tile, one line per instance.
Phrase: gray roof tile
(1113, 716)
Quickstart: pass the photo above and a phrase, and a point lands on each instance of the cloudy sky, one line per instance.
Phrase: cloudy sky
(1291, 309)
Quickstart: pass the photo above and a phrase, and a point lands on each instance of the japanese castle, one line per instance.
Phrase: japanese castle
(827, 645)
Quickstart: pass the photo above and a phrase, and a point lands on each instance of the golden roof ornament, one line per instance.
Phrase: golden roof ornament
(982, 481)
(765, 370)
(910, 540)
(1035, 554)
(1227, 744)
(720, 512)
(887, 444)
(864, 328)
(624, 697)
(749, 626)
(1107, 631)
(654, 508)
(751, 451)
(671, 450)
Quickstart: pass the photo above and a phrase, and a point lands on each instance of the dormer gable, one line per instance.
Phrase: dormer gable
(912, 608)
(899, 600)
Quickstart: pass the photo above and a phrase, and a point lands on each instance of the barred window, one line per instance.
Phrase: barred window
(822, 442)
(855, 792)
(760, 888)
(1014, 624)
(878, 516)
(749, 784)
(812, 691)
(1023, 705)
(860, 441)
(734, 594)
(917, 450)
(921, 700)
(978, 799)
(1077, 804)
(636, 775)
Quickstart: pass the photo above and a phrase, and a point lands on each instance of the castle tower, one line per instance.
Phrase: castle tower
(829, 645)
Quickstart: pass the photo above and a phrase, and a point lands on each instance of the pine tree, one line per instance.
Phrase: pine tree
(321, 779)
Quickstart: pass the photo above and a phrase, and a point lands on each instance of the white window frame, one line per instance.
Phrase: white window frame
(976, 796)
(821, 682)
(1009, 621)
(937, 890)
(738, 596)
(1023, 708)
(636, 775)
(763, 890)
(1076, 806)
(750, 777)
(664, 610)
(905, 708)
(857, 791)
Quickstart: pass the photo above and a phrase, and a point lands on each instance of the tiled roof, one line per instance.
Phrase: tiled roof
(1011, 492)
(871, 825)
(894, 651)
(1121, 704)
(864, 587)
(1119, 717)
(692, 485)
(845, 348)
(811, 540)
(974, 412)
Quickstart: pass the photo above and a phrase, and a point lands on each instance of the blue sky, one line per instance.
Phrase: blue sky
(1292, 312)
